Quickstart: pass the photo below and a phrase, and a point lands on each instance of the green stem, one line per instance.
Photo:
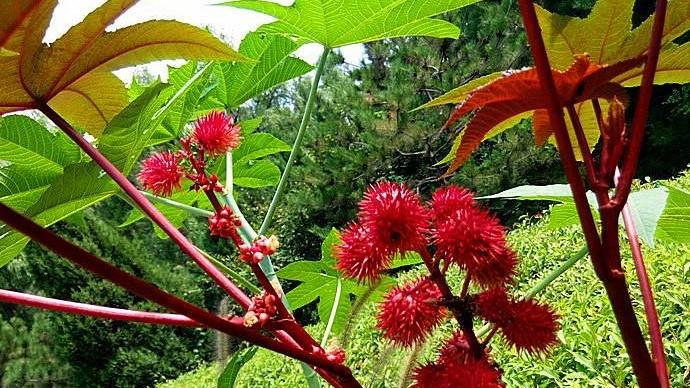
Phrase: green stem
(331, 318)
(228, 173)
(195, 211)
(311, 101)
(231, 273)
(266, 265)
(539, 287)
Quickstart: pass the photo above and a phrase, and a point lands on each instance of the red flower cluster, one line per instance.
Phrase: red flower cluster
(161, 173)
(409, 312)
(255, 252)
(263, 307)
(212, 136)
(392, 220)
(224, 224)
(216, 133)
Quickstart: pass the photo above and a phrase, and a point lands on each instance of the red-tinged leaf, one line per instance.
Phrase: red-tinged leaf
(72, 73)
(520, 92)
(541, 126)
(476, 130)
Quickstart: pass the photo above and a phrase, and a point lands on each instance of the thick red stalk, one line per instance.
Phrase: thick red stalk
(95, 311)
(647, 298)
(456, 305)
(600, 191)
(642, 108)
(148, 291)
(606, 250)
(555, 111)
(148, 209)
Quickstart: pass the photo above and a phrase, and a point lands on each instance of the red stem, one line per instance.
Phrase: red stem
(647, 298)
(555, 111)
(99, 267)
(462, 315)
(148, 209)
(90, 310)
(601, 251)
(600, 191)
(642, 107)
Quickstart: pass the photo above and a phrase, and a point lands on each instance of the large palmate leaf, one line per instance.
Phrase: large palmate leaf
(238, 82)
(184, 109)
(608, 37)
(78, 185)
(337, 23)
(321, 281)
(506, 99)
(661, 213)
(31, 158)
(73, 73)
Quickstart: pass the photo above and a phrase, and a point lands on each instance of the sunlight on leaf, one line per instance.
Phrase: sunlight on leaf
(73, 73)
(335, 23)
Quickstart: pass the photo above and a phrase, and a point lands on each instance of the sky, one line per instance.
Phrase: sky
(232, 23)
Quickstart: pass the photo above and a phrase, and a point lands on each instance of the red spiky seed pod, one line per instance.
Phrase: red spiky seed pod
(408, 313)
(161, 173)
(453, 374)
(456, 348)
(395, 217)
(532, 328)
(495, 306)
(358, 257)
(428, 375)
(216, 133)
(224, 224)
(475, 241)
(498, 270)
(446, 200)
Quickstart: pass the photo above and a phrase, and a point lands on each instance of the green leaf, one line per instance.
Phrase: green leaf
(127, 134)
(239, 82)
(258, 145)
(557, 193)
(341, 23)
(646, 208)
(81, 186)
(247, 127)
(674, 223)
(232, 369)
(406, 260)
(332, 239)
(183, 109)
(175, 215)
(31, 158)
(321, 281)
(256, 173)
(461, 93)
(659, 213)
